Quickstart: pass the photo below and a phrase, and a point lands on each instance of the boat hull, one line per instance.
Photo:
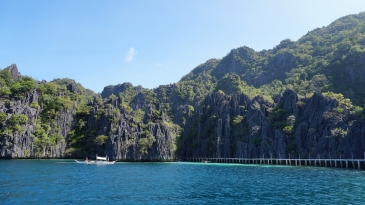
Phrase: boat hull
(103, 162)
(94, 162)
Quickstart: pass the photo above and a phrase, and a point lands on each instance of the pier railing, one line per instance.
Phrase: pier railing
(341, 163)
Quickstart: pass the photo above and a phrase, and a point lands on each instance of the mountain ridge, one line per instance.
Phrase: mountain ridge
(289, 100)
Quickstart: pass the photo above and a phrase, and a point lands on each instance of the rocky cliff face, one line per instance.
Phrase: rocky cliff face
(132, 140)
(127, 137)
(223, 126)
(15, 144)
(21, 143)
(220, 125)
(13, 69)
(108, 90)
(58, 120)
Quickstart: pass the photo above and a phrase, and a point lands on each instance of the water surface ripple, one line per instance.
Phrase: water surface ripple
(65, 182)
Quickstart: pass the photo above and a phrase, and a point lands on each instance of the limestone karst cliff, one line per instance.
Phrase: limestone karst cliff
(235, 126)
(61, 119)
(301, 99)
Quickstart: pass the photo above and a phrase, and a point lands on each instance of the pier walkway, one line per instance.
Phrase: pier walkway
(341, 163)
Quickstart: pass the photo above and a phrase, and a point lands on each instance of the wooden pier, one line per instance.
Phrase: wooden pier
(339, 163)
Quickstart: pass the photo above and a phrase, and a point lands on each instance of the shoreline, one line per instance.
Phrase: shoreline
(358, 164)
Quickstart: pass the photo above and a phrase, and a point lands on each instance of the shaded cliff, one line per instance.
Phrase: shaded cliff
(235, 126)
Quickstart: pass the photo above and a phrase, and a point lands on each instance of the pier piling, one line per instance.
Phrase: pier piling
(341, 163)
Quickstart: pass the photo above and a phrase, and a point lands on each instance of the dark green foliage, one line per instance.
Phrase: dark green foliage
(5, 82)
(34, 105)
(2, 117)
(156, 116)
(357, 111)
(325, 59)
(83, 109)
(45, 137)
(256, 141)
(8, 87)
(237, 120)
(5, 90)
(290, 123)
(5, 78)
(101, 139)
(81, 141)
(18, 119)
(342, 102)
(15, 122)
(291, 147)
(277, 117)
(232, 83)
(339, 132)
(145, 142)
(112, 97)
(22, 86)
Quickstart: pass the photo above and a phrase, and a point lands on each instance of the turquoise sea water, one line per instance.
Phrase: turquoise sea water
(65, 182)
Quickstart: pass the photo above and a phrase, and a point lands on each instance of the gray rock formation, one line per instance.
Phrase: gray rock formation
(319, 130)
(219, 126)
(13, 69)
(115, 89)
(21, 144)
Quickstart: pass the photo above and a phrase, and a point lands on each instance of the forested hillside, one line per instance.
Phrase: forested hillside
(324, 59)
(302, 98)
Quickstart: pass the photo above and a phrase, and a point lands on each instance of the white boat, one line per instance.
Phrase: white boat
(85, 162)
(103, 160)
(99, 160)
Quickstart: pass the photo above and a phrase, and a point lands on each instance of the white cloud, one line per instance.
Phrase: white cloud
(158, 64)
(130, 55)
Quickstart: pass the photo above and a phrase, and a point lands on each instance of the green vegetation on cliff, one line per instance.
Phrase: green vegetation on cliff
(331, 58)
(134, 122)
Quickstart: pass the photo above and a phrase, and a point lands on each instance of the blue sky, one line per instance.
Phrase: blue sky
(148, 43)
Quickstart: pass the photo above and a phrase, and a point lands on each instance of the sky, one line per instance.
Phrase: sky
(148, 43)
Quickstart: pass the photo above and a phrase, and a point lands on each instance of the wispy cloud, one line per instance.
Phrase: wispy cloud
(158, 64)
(130, 55)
